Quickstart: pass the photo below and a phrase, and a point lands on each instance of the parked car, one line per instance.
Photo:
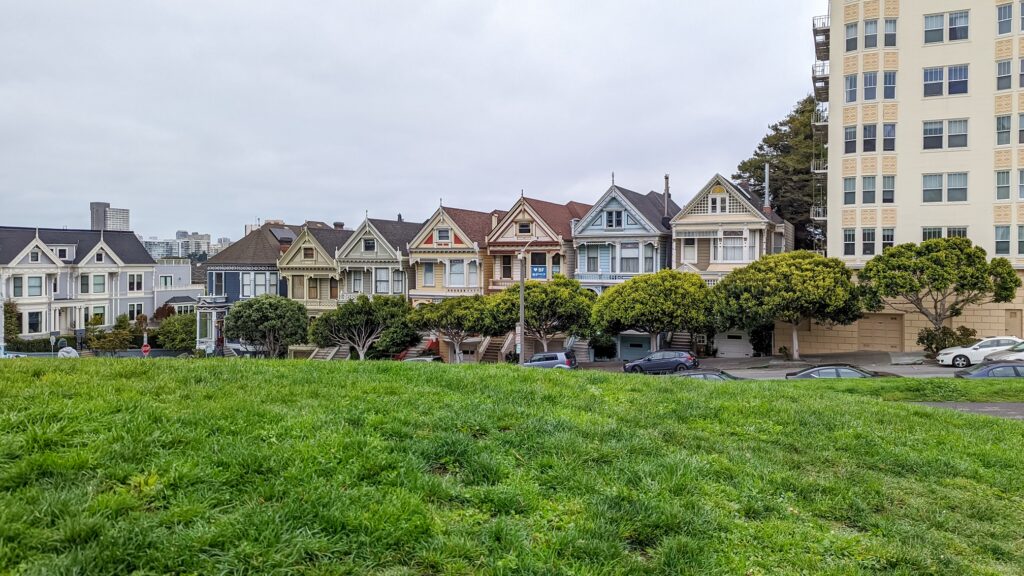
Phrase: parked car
(424, 359)
(8, 355)
(837, 371)
(1011, 353)
(998, 369)
(663, 363)
(714, 375)
(964, 356)
(565, 360)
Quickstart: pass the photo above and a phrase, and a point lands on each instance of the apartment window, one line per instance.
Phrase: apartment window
(1020, 129)
(959, 23)
(851, 37)
(931, 233)
(933, 135)
(870, 137)
(18, 287)
(428, 274)
(1020, 239)
(613, 219)
(732, 246)
(313, 289)
(869, 190)
(247, 284)
(135, 282)
(870, 86)
(381, 280)
(870, 34)
(259, 283)
(888, 189)
(443, 235)
(888, 137)
(457, 273)
(1002, 130)
(851, 88)
(33, 256)
(272, 283)
(1004, 17)
(958, 232)
(1020, 184)
(1003, 185)
(630, 257)
(99, 256)
(1022, 16)
(99, 313)
(1004, 78)
(932, 188)
(1002, 240)
(397, 281)
(369, 245)
(890, 33)
(934, 28)
(889, 85)
(307, 253)
(166, 281)
(957, 79)
(83, 284)
(62, 253)
(956, 187)
(35, 322)
(689, 250)
(849, 242)
(218, 283)
(592, 253)
(933, 78)
(506, 266)
(556, 265)
(99, 284)
(868, 246)
(888, 238)
(35, 286)
(721, 205)
(849, 141)
(957, 134)
(356, 278)
(134, 310)
(333, 287)
(849, 190)
(524, 228)
(648, 258)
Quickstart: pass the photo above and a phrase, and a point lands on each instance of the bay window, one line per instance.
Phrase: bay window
(397, 284)
(630, 257)
(381, 280)
(732, 246)
(648, 258)
(592, 255)
(457, 273)
(689, 249)
(428, 274)
(246, 284)
(35, 285)
(99, 284)
(473, 274)
(259, 280)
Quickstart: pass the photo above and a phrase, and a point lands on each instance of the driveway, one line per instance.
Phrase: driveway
(1012, 411)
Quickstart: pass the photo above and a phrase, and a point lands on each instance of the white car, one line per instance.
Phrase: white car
(1010, 354)
(964, 356)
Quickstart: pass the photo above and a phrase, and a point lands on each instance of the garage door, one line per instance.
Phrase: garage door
(733, 345)
(634, 347)
(881, 333)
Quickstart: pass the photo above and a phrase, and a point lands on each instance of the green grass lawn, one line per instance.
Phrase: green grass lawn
(228, 467)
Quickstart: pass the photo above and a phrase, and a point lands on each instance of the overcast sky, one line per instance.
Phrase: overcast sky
(208, 114)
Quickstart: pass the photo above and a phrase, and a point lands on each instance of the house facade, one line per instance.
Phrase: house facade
(309, 269)
(375, 259)
(448, 256)
(173, 285)
(61, 280)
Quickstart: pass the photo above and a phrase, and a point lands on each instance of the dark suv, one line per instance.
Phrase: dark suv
(663, 362)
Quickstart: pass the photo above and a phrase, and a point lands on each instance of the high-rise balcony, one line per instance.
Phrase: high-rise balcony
(819, 213)
(819, 165)
(819, 121)
(820, 75)
(822, 36)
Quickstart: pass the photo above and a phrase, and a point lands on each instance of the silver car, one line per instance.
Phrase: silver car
(565, 360)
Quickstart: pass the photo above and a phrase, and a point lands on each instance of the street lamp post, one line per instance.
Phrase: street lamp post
(522, 303)
(3, 344)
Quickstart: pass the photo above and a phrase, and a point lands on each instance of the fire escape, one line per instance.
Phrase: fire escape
(820, 75)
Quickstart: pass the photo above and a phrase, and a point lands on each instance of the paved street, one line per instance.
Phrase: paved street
(1013, 411)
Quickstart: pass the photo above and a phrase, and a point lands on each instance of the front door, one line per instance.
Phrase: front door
(1013, 324)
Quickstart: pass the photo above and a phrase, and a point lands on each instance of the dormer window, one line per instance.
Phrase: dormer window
(718, 205)
(524, 228)
(369, 245)
(307, 253)
(99, 257)
(62, 253)
(443, 235)
(34, 256)
(613, 219)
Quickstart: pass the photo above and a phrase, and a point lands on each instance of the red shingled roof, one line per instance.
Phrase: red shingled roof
(476, 225)
(559, 216)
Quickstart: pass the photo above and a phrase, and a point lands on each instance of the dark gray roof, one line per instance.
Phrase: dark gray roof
(652, 206)
(181, 300)
(397, 232)
(756, 200)
(330, 239)
(261, 247)
(125, 245)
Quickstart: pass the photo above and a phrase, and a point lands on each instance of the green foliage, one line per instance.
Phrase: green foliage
(398, 337)
(361, 322)
(141, 324)
(457, 319)
(267, 323)
(761, 338)
(122, 323)
(667, 301)
(118, 338)
(178, 332)
(36, 345)
(945, 337)
(937, 278)
(789, 288)
(11, 328)
(603, 345)
(385, 468)
(790, 148)
(557, 307)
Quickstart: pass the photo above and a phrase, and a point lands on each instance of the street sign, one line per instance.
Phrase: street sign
(145, 350)
(538, 272)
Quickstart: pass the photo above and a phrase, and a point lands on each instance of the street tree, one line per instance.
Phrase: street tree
(268, 324)
(557, 307)
(359, 323)
(668, 301)
(178, 332)
(789, 288)
(937, 278)
(456, 320)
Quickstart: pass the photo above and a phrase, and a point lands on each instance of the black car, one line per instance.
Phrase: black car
(837, 371)
(995, 369)
(663, 363)
(713, 375)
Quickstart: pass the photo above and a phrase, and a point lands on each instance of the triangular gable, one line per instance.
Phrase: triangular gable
(719, 185)
(44, 252)
(597, 211)
(90, 258)
(293, 256)
(424, 240)
(520, 211)
(353, 247)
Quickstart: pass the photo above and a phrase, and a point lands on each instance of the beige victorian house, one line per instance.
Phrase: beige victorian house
(448, 256)
(309, 267)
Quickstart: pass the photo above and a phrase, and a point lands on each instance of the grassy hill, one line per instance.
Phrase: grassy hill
(210, 466)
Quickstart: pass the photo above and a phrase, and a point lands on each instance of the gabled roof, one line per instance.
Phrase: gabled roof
(125, 245)
(651, 206)
(476, 225)
(330, 239)
(559, 216)
(397, 233)
(261, 247)
(754, 201)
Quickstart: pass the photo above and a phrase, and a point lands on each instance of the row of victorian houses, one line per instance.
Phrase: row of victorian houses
(459, 252)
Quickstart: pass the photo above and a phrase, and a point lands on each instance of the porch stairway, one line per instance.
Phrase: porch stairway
(229, 352)
(582, 349)
(497, 348)
(680, 342)
(323, 354)
(417, 350)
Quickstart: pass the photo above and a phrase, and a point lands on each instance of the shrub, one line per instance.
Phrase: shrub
(603, 345)
(934, 340)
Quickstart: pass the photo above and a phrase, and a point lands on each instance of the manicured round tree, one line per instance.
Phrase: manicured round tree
(455, 319)
(267, 324)
(557, 307)
(359, 322)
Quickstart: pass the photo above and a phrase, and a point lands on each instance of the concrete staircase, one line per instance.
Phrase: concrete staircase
(492, 354)
(417, 350)
(328, 354)
(582, 349)
(229, 352)
(680, 343)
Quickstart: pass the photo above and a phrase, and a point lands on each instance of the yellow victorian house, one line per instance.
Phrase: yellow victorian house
(309, 267)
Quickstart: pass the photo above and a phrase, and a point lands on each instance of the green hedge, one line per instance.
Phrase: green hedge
(40, 345)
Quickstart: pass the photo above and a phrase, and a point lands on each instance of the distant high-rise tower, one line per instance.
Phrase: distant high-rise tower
(103, 217)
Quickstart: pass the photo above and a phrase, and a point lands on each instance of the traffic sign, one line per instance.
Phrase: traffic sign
(145, 350)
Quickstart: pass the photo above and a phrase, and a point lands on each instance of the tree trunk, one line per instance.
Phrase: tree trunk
(654, 342)
(362, 352)
(544, 343)
(795, 352)
(458, 351)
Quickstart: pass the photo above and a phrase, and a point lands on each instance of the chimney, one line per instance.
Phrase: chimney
(339, 225)
(767, 208)
(399, 216)
(666, 195)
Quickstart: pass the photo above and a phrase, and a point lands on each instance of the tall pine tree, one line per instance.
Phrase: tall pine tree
(789, 147)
